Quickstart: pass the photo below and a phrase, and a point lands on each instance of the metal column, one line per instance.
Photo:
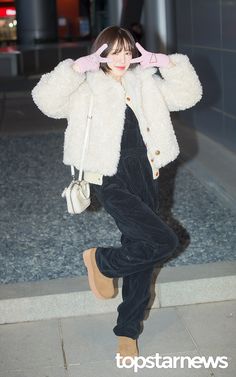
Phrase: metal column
(114, 12)
(36, 21)
(159, 24)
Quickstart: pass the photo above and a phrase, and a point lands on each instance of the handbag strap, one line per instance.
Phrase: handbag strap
(89, 117)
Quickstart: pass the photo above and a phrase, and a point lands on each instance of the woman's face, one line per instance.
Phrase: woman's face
(120, 61)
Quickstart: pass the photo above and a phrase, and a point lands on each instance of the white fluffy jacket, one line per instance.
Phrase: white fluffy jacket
(64, 93)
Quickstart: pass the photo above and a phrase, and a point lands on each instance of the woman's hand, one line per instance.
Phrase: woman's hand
(90, 62)
(150, 59)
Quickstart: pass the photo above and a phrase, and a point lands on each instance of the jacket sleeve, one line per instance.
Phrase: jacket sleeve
(52, 92)
(180, 85)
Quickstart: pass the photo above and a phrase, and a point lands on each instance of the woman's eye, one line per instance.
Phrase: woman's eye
(116, 53)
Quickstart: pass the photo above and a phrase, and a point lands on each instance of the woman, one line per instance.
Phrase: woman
(131, 138)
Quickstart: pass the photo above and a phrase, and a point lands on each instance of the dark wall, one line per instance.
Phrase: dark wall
(206, 32)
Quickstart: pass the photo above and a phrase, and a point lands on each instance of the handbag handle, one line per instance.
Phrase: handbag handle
(89, 117)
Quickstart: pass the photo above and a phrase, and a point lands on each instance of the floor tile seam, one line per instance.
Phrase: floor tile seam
(199, 351)
(62, 344)
(186, 327)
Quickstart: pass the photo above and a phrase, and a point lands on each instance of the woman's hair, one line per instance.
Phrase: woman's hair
(110, 35)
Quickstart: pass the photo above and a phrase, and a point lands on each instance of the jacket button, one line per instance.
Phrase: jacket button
(128, 98)
(148, 129)
(157, 173)
(157, 152)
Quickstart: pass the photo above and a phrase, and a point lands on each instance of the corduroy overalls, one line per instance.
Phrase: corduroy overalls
(131, 198)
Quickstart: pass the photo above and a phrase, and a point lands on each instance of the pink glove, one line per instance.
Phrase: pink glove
(90, 62)
(149, 59)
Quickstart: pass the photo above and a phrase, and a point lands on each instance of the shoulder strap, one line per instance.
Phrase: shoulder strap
(89, 117)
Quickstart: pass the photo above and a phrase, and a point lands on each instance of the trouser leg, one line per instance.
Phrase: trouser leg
(151, 241)
(135, 295)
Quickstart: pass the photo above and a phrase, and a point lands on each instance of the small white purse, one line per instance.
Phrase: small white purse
(77, 194)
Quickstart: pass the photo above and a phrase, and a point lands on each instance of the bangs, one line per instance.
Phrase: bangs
(123, 43)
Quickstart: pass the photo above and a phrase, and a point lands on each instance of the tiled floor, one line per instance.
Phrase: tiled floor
(86, 346)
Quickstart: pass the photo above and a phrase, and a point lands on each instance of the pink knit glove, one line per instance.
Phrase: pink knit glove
(90, 62)
(149, 59)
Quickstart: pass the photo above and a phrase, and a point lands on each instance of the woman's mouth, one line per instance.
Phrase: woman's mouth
(120, 67)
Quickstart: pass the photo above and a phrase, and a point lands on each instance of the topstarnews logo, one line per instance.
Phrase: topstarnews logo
(140, 362)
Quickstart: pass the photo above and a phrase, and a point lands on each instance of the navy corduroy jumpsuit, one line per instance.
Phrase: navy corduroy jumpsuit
(131, 198)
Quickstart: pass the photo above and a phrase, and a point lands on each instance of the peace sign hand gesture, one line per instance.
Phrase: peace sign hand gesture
(150, 59)
(91, 62)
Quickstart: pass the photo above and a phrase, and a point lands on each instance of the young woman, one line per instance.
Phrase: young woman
(131, 138)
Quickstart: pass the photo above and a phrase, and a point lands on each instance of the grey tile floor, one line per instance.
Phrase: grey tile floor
(40, 240)
(86, 346)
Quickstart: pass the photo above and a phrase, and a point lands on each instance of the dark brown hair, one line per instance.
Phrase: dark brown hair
(110, 35)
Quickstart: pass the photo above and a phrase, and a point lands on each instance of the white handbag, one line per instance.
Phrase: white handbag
(77, 194)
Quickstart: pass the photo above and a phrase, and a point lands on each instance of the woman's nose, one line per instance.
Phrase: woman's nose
(122, 59)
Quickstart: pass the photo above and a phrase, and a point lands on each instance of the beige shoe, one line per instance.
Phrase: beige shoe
(101, 285)
(127, 346)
